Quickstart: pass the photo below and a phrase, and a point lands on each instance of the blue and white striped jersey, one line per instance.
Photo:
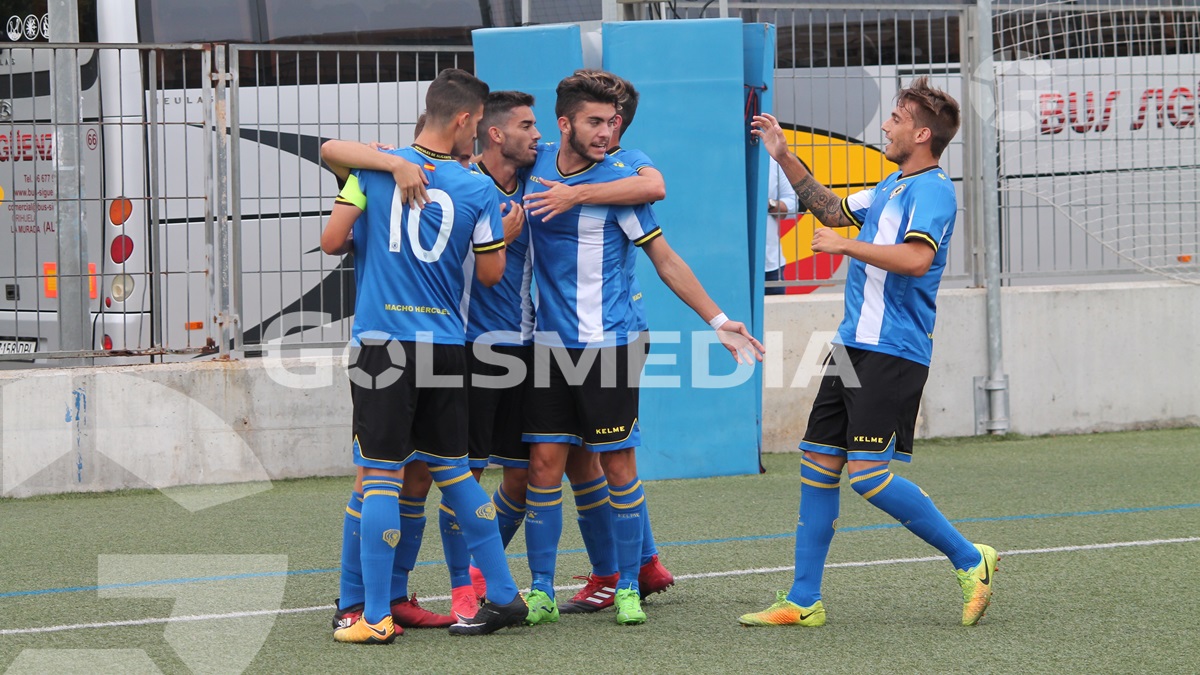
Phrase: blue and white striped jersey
(502, 314)
(410, 280)
(582, 261)
(636, 160)
(888, 312)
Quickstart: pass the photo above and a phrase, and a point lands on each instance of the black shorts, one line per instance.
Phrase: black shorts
(594, 405)
(497, 393)
(397, 418)
(874, 421)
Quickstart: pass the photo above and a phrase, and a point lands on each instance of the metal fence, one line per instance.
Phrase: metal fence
(202, 196)
(1098, 144)
(284, 102)
(838, 72)
(1095, 138)
(108, 212)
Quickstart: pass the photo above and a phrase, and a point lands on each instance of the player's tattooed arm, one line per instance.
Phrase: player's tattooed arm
(820, 200)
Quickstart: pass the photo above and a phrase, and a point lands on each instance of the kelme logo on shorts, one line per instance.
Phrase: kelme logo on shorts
(487, 511)
(392, 537)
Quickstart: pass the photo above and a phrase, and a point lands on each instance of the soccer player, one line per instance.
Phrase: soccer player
(499, 333)
(887, 337)
(588, 348)
(410, 358)
(583, 467)
(406, 611)
(501, 317)
(508, 132)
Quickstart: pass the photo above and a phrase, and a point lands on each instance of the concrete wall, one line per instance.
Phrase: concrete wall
(165, 425)
(1079, 359)
(1093, 357)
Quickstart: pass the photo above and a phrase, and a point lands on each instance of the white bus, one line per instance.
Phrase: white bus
(148, 139)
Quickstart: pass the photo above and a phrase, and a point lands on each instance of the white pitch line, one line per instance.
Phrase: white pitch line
(702, 575)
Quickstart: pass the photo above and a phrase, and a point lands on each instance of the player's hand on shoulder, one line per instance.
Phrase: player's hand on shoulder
(557, 198)
(411, 180)
(513, 220)
(740, 343)
(376, 145)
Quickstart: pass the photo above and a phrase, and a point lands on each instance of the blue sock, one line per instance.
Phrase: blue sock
(907, 503)
(509, 514)
(458, 559)
(820, 500)
(596, 524)
(649, 549)
(476, 516)
(543, 529)
(412, 531)
(380, 535)
(350, 586)
(627, 530)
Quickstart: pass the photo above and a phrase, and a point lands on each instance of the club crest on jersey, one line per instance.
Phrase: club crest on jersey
(898, 190)
(618, 164)
(392, 537)
(487, 511)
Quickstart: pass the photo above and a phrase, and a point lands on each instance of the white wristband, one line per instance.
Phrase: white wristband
(717, 321)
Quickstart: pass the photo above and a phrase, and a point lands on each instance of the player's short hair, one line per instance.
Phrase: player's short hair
(454, 91)
(581, 88)
(420, 126)
(932, 108)
(497, 109)
(628, 97)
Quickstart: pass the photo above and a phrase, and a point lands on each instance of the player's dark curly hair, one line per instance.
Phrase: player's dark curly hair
(931, 108)
(579, 89)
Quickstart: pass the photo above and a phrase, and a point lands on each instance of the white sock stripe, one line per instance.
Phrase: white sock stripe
(569, 587)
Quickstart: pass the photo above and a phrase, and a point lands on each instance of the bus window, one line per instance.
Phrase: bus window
(557, 11)
(166, 21)
(825, 38)
(372, 22)
(26, 21)
(368, 22)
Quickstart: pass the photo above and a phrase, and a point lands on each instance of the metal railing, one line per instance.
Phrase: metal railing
(285, 101)
(203, 196)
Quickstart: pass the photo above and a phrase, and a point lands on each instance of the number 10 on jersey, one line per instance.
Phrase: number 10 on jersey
(409, 225)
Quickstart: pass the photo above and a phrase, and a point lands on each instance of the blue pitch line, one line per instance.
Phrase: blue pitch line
(515, 556)
(993, 519)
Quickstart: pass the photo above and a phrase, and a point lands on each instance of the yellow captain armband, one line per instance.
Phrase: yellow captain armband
(352, 194)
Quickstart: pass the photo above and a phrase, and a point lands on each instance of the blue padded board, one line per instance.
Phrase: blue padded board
(690, 121)
(532, 60)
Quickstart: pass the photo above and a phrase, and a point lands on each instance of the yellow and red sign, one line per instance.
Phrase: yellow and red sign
(845, 166)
